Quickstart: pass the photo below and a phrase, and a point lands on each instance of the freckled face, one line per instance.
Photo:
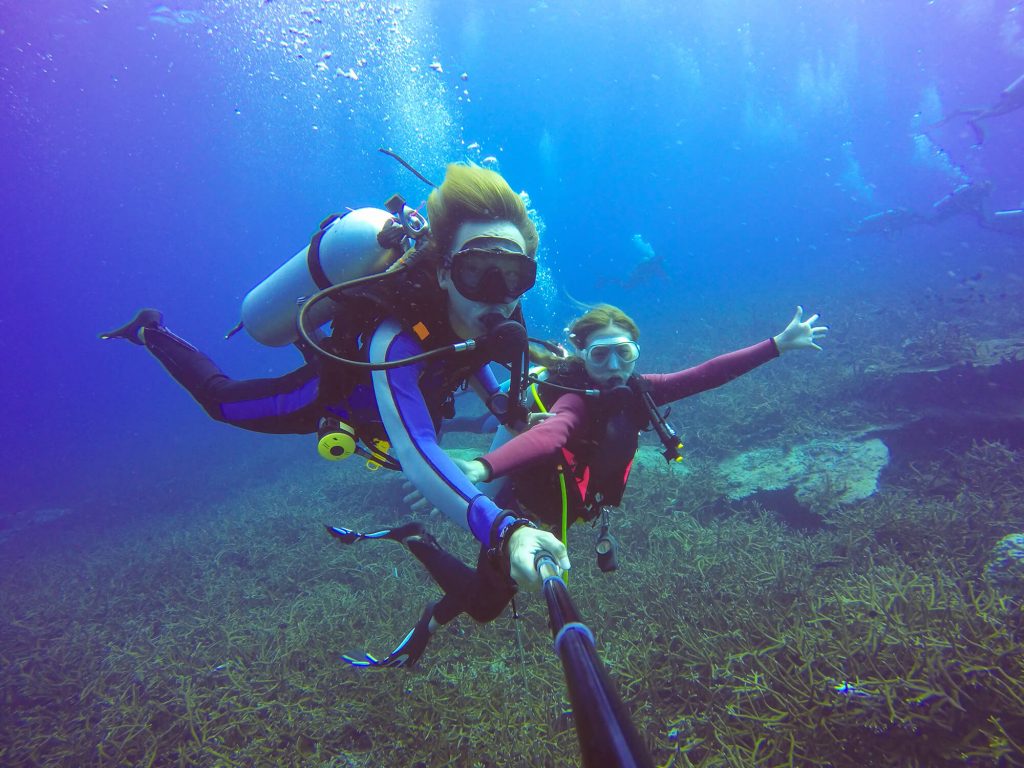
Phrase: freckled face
(607, 355)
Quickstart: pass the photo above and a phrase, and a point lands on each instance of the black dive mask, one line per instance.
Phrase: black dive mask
(492, 276)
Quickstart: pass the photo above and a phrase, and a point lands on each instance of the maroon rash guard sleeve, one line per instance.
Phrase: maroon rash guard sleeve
(539, 442)
(669, 387)
(570, 410)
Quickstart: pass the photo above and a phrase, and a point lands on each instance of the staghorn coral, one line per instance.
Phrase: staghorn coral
(211, 638)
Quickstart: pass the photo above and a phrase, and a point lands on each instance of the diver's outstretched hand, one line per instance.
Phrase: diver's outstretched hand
(800, 333)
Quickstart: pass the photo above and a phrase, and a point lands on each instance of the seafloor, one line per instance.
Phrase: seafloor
(782, 628)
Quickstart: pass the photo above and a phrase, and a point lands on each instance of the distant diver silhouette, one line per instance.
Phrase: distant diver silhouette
(967, 199)
(1010, 100)
(889, 222)
(649, 269)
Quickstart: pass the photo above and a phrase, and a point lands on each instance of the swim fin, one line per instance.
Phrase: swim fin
(408, 652)
(399, 534)
(131, 331)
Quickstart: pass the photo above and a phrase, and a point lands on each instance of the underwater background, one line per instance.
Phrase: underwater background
(817, 584)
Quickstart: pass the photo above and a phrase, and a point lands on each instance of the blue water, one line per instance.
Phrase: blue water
(172, 156)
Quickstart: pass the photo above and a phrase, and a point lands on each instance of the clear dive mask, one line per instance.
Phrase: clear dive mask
(600, 354)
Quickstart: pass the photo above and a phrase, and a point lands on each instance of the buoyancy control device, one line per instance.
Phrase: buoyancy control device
(361, 242)
(347, 251)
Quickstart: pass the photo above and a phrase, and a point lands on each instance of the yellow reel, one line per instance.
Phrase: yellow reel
(336, 439)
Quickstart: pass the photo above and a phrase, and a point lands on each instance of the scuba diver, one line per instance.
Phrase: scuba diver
(1010, 100)
(573, 465)
(648, 270)
(889, 222)
(968, 199)
(410, 327)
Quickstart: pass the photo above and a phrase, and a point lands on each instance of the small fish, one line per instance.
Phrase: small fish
(436, 66)
(847, 688)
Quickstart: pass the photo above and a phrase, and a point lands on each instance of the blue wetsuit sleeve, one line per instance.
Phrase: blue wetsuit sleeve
(485, 385)
(406, 418)
(485, 381)
(498, 486)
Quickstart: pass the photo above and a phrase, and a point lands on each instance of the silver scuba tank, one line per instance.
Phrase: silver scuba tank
(344, 249)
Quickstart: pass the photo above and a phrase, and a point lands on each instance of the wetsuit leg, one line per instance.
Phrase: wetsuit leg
(482, 593)
(493, 590)
(283, 405)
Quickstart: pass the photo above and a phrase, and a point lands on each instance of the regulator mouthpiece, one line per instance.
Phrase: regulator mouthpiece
(618, 397)
(505, 339)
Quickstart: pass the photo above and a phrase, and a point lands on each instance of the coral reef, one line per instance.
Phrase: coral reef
(844, 471)
(210, 635)
(1005, 567)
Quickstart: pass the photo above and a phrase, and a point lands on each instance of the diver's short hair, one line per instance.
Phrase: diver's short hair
(472, 193)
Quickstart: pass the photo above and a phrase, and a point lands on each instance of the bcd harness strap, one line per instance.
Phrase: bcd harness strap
(316, 269)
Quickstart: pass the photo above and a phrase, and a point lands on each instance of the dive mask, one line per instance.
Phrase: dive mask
(599, 354)
(492, 275)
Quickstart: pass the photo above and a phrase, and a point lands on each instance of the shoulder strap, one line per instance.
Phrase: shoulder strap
(316, 269)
